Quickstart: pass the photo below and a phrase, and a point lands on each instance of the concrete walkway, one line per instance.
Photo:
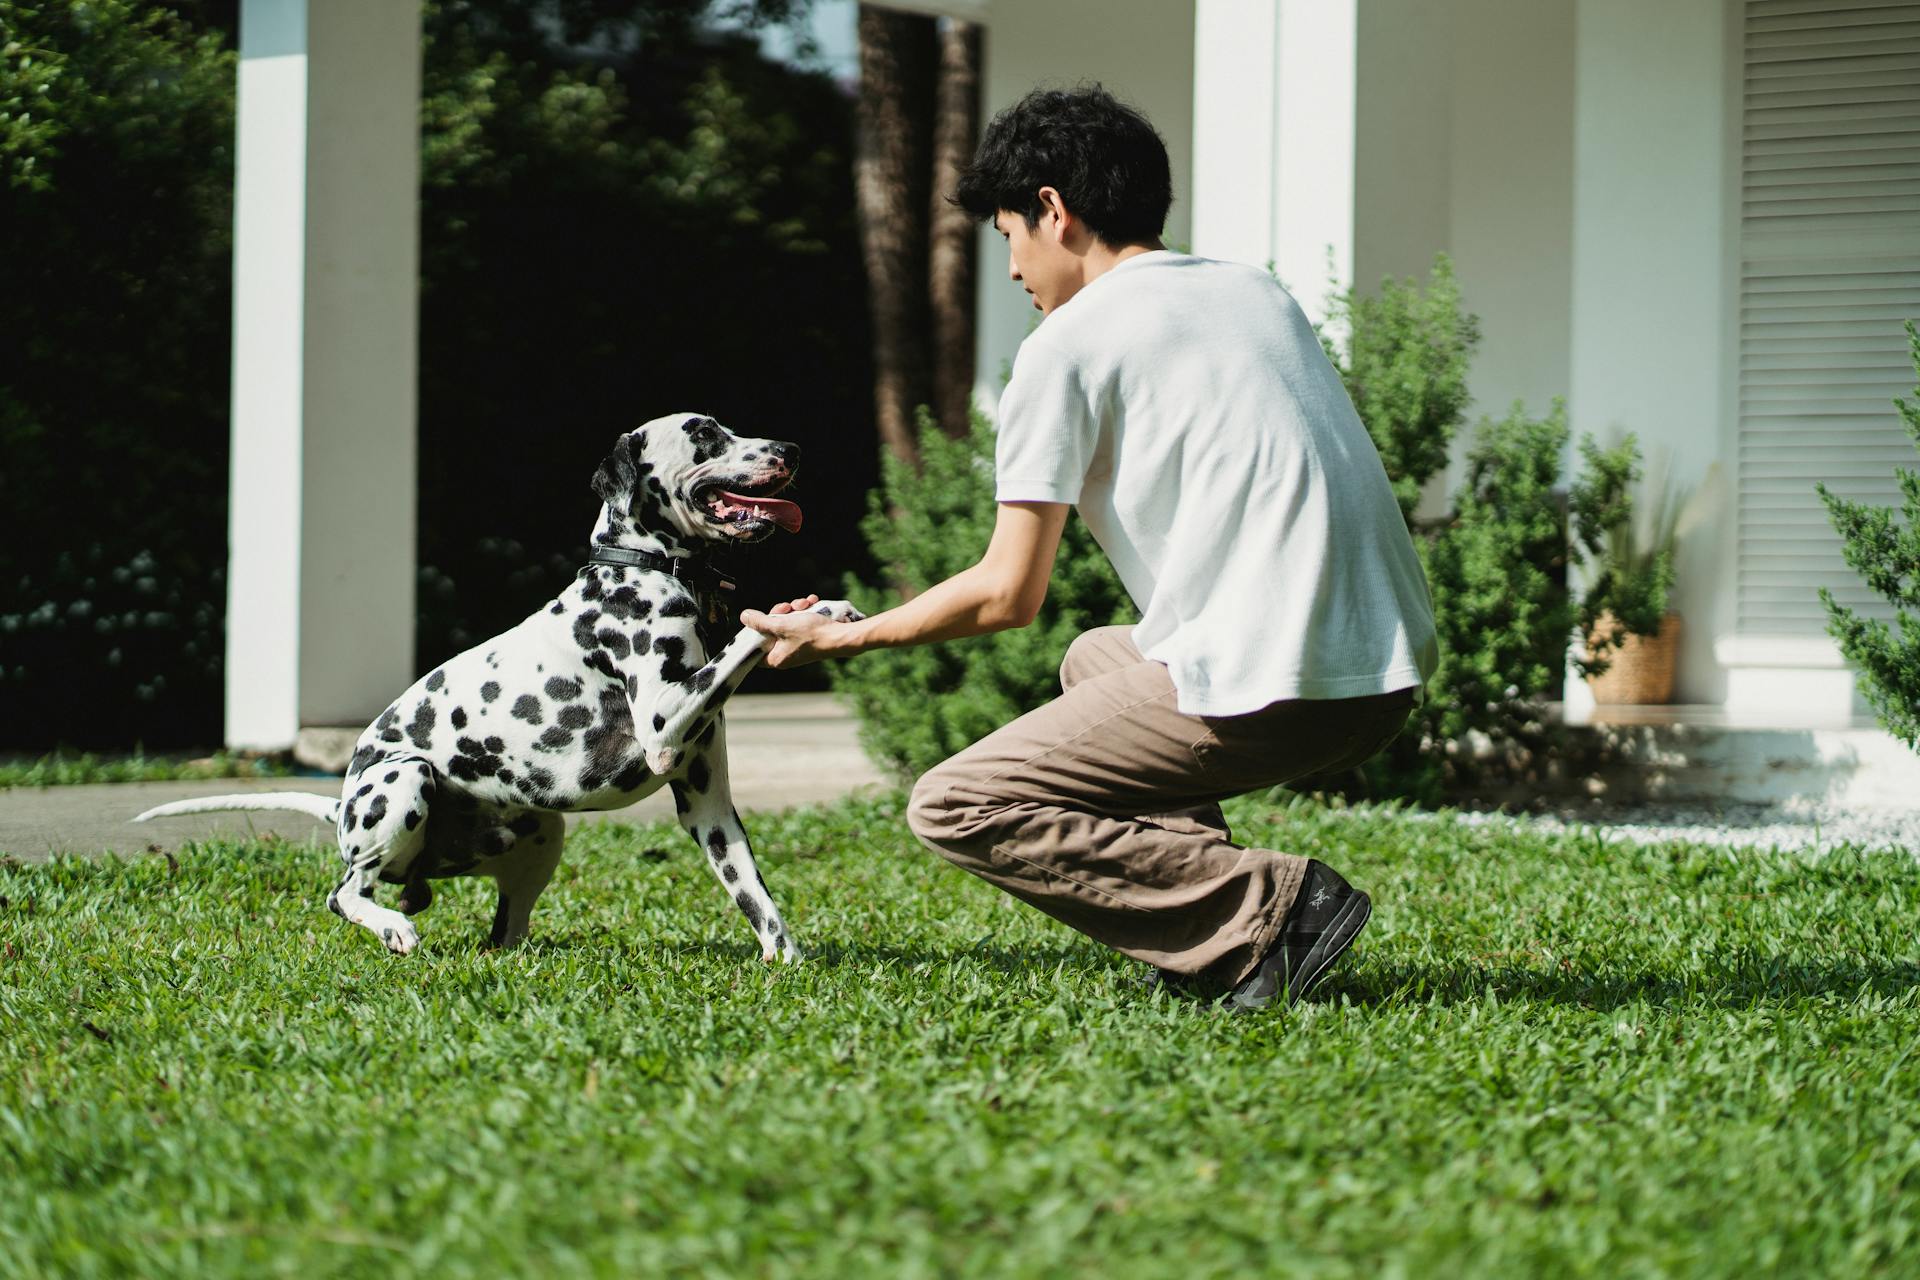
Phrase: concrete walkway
(785, 750)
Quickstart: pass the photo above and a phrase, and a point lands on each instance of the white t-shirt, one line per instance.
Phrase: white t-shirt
(1187, 408)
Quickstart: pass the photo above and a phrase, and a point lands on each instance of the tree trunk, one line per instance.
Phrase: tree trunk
(952, 252)
(893, 178)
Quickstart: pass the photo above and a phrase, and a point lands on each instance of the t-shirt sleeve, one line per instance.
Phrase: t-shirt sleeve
(1048, 429)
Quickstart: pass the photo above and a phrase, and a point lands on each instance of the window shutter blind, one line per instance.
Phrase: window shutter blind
(1829, 270)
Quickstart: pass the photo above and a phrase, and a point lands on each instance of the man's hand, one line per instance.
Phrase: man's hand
(793, 636)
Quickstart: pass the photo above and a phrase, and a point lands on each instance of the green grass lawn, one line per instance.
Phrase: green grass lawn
(1547, 1056)
(70, 768)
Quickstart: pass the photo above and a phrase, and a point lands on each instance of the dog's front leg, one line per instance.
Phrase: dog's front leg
(682, 708)
(704, 799)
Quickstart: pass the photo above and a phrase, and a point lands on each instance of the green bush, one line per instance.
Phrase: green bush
(1884, 549)
(918, 706)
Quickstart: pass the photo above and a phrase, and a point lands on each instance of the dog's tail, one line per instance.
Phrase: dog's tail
(320, 807)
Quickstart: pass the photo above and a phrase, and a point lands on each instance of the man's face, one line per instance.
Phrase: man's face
(1038, 259)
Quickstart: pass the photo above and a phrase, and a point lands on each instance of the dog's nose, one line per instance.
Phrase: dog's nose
(789, 454)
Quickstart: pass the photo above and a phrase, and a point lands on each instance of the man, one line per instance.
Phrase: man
(1186, 408)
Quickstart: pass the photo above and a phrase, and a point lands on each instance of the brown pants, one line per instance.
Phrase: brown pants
(1101, 808)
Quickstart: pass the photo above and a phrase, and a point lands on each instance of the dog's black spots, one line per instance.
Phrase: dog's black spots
(495, 745)
(659, 723)
(673, 649)
(524, 825)
(434, 681)
(333, 904)
(390, 735)
(679, 607)
(540, 778)
(590, 588)
(365, 758)
(458, 717)
(527, 707)
(393, 775)
(583, 628)
(705, 736)
(574, 717)
(729, 873)
(717, 843)
(412, 819)
(642, 607)
(642, 640)
(561, 689)
(557, 608)
(703, 679)
(493, 660)
(470, 747)
(421, 730)
(681, 804)
(749, 907)
(621, 602)
(375, 812)
(388, 718)
(632, 776)
(750, 457)
(489, 691)
(613, 642)
(505, 775)
(554, 739)
(461, 767)
(366, 790)
(600, 661)
(633, 686)
(698, 774)
(347, 822)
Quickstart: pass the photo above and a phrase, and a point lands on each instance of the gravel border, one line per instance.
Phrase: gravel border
(1740, 826)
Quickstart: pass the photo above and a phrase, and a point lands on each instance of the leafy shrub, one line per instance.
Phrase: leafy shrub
(918, 706)
(1631, 579)
(1884, 549)
(1404, 362)
(116, 123)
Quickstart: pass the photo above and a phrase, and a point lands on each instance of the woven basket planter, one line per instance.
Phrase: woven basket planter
(1642, 670)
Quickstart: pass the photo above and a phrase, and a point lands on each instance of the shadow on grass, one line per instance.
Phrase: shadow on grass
(1719, 982)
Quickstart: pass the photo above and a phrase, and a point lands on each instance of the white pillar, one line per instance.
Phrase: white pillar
(320, 585)
(1275, 88)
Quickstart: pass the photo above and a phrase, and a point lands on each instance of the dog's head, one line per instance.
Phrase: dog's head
(687, 480)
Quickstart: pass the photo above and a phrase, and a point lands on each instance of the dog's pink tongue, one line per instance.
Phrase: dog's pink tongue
(781, 512)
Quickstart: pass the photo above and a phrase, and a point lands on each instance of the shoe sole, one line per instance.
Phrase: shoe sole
(1333, 944)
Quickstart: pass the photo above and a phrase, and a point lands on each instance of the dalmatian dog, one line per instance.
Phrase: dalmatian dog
(601, 697)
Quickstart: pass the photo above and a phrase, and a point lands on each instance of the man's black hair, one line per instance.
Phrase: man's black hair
(1101, 155)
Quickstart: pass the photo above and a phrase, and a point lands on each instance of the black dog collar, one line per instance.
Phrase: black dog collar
(699, 573)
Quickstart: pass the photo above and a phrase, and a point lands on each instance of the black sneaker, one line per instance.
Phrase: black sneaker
(1326, 917)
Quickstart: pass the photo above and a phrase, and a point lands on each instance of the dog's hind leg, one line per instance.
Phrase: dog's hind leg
(705, 804)
(523, 872)
(383, 823)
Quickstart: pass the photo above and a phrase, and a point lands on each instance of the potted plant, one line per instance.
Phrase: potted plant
(1632, 638)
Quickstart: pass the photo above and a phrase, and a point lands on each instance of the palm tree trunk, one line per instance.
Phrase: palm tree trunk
(893, 180)
(951, 254)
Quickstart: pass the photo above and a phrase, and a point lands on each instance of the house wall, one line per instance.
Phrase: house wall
(1142, 51)
(1651, 289)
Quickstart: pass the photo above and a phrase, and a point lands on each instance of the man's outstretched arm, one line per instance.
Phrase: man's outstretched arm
(1001, 592)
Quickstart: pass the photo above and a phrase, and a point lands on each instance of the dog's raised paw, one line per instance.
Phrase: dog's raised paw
(839, 611)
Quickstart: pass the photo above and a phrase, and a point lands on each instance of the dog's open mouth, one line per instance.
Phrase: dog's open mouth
(751, 505)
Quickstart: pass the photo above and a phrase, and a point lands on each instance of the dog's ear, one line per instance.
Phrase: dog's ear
(614, 481)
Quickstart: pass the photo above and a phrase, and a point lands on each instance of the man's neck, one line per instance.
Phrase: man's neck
(1102, 257)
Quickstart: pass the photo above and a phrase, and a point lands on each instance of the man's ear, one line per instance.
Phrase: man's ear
(613, 482)
(1053, 205)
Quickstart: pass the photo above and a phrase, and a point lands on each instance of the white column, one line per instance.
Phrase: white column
(1274, 96)
(320, 594)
